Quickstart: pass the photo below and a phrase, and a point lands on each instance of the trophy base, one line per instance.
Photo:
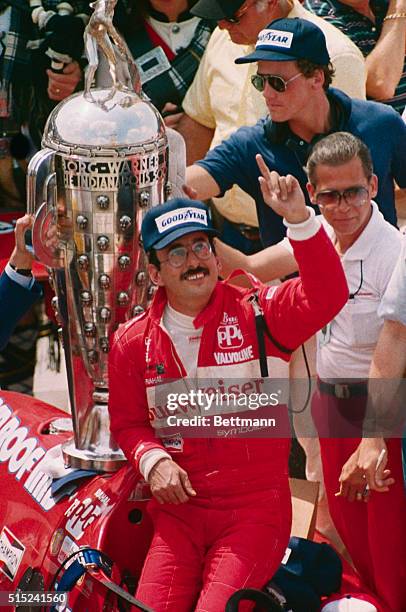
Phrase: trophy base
(86, 460)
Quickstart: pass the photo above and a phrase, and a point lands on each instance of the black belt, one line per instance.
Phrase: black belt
(248, 231)
(343, 390)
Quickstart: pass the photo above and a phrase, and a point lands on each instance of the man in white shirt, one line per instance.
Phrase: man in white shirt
(342, 184)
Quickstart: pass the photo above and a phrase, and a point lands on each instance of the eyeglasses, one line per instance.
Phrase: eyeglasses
(352, 196)
(276, 82)
(236, 18)
(178, 255)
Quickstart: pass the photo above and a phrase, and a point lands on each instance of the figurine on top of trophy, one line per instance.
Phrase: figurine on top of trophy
(100, 33)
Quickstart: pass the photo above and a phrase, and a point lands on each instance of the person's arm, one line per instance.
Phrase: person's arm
(18, 292)
(229, 163)
(15, 301)
(131, 428)
(203, 184)
(128, 406)
(385, 410)
(298, 308)
(267, 265)
(386, 371)
(197, 136)
(388, 367)
(198, 123)
(385, 379)
(396, 127)
(371, 456)
(389, 359)
(385, 63)
(21, 258)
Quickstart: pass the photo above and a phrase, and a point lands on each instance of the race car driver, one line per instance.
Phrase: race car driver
(221, 507)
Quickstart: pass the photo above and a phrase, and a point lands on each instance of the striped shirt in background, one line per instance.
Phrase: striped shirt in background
(362, 31)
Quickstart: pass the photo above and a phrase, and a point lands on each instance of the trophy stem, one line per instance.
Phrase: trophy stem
(85, 460)
(96, 451)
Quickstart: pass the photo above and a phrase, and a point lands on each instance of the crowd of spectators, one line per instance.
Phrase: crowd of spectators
(325, 108)
(42, 62)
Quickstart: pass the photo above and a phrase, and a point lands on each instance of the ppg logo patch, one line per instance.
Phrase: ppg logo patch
(179, 216)
(274, 38)
(229, 336)
(6, 228)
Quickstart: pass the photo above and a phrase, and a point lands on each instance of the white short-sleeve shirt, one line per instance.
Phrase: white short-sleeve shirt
(345, 347)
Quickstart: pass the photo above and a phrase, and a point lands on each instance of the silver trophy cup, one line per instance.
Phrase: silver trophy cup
(104, 162)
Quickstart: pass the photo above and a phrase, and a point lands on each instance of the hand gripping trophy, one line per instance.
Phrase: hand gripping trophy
(104, 162)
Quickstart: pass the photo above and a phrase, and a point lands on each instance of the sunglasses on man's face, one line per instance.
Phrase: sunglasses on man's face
(276, 82)
(330, 200)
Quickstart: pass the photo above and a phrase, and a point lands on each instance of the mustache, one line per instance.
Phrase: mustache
(198, 270)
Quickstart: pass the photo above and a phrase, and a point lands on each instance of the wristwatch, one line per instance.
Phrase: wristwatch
(22, 271)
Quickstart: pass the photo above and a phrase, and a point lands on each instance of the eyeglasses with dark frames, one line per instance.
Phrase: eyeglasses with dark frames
(356, 195)
(178, 255)
(275, 81)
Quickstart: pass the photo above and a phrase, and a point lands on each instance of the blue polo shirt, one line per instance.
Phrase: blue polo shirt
(377, 125)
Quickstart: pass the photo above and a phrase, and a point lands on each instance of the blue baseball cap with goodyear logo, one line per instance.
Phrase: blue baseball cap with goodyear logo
(166, 222)
(285, 40)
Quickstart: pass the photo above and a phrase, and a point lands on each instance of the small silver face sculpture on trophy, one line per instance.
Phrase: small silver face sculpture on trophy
(104, 162)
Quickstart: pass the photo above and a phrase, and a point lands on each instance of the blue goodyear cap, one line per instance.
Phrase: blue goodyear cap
(287, 39)
(165, 223)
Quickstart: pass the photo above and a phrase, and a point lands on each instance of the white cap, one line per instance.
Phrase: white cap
(349, 604)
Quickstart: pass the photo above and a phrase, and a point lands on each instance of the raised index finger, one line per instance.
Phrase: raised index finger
(263, 167)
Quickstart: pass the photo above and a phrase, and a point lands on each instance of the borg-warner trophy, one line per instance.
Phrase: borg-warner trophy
(104, 161)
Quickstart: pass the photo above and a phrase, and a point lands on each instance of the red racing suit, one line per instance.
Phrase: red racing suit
(234, 532)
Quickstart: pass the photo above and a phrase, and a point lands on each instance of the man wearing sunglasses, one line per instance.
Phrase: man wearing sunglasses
(221, 506)
(342, 183)
(294, 76)
(221, 98)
